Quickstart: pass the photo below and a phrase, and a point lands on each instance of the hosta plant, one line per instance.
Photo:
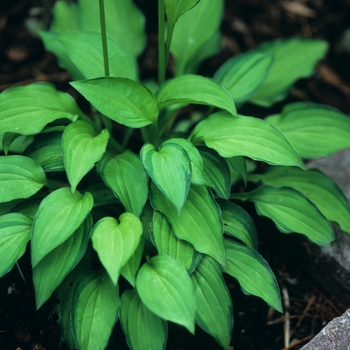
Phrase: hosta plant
(130, 209)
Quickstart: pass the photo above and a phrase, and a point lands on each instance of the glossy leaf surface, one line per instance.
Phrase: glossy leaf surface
(232, 136)
(122, 100)
(56, 265)
(170, 170)
(291, 211)
(194, 89)
(314, 130)
(143, 329)
(58, 216)
(316, 186)
(27, 109)
(238, 223)
(14, 235)
(253, 273)
(82, 148)
(214, 306)
(199, 222)
(165, 287)
(242, 75)
(293, 59)
(127, 178)
(20, 177)
(95, 310)
(115, 241)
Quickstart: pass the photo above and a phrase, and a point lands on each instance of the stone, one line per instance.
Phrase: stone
(335, 336)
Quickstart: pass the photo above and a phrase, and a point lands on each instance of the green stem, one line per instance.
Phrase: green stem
(161, 43)
(104, 37)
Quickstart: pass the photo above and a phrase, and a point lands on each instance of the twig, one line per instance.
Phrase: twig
(286, 304)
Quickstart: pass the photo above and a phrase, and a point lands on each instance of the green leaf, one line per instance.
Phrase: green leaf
(20, 177)
(116, 241)
(15, 231)
(189, 44)
(314, 130)
(124, 22)
(243, 75)
(194, 89)
(82, 148)
(65, 17)
(27, 109)
(238, 223)
(127, 178)
(197, 175)
(129, 270)
(56, 265)
(58, 216)
(143, 329)
(214, 306)
(174, 9)
(95, 305)
(253, 273)
(199, 222)
(46, 151)
(122, 100)
(165, 287)
(291, 211)
(80, 52)
(217, 171)
(170, 170)
(232, 136)
(237, 165)
(167, 243)
(316, 186)
(293, 59)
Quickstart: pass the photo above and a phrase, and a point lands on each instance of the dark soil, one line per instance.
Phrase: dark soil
(246, 24)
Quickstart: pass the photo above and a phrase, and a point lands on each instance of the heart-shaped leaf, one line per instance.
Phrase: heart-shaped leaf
(115, 242)
(170, 170)
(58, 216)
(122, 100)
(165, 287)
(82, 148)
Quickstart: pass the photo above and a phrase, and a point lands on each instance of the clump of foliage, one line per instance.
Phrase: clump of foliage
(162, 213)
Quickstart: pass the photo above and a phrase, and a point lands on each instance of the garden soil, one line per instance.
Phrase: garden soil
(246, 24)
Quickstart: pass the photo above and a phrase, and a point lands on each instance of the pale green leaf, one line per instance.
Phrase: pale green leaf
(143, 329)
(214, 306)
(127, 178)
(316, 186)
(115, 241)
(58, 216)
(192, 33)
(194, 89)
(27, 109)
(253, 273)
(239, 135)
(122, 100)
(56, 265)
(20, 177)
(293, 59)
(80, 52)
(238, 223)
(15, 231)
(165, 287)
(291, 211)
(170, 170)
(314, 130)
(124, 22)
(95, 310)
(243, 75)
(167, 243)
(199, 222)
(82, 148)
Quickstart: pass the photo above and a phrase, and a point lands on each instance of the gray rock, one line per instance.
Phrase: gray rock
(335, 336)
